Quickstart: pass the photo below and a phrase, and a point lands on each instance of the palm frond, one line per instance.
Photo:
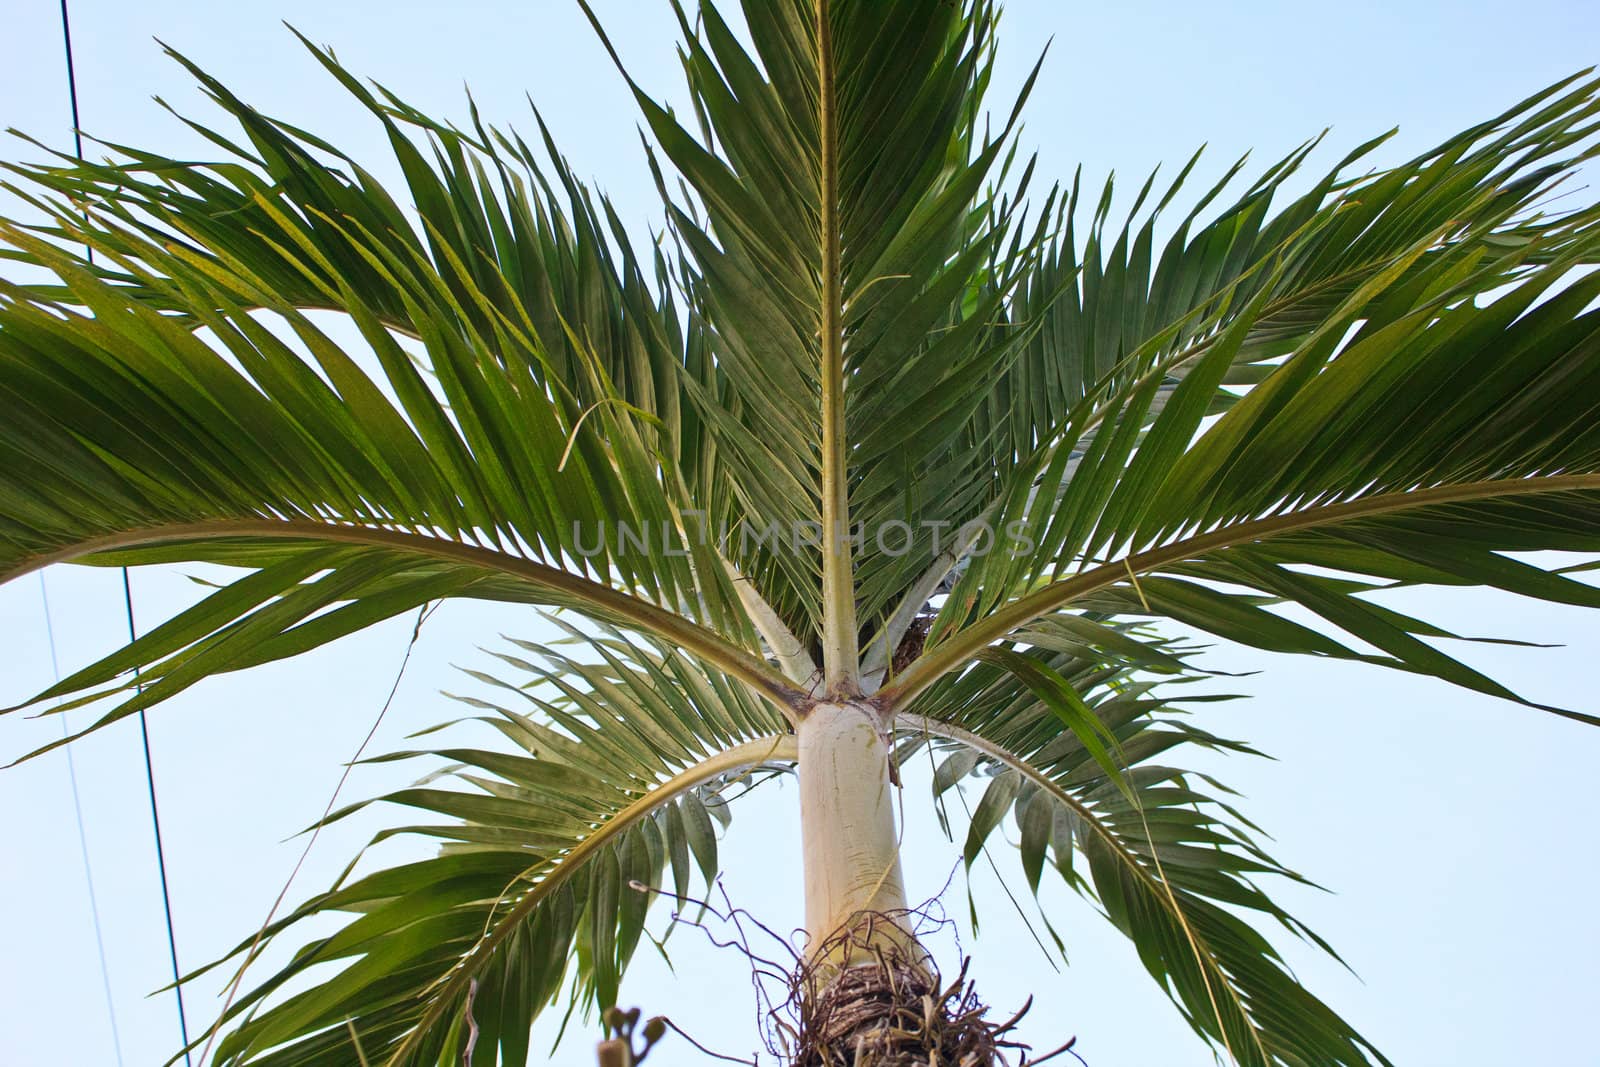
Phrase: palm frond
(480, 472)
(604, 779)
(1174, 866)
(838, 226)
(1447, 385)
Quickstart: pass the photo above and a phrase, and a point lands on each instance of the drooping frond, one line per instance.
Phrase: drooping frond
(610, 772)
(474, 444)
(1072, 745)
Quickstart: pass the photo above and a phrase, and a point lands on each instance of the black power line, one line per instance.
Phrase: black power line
(155, 817)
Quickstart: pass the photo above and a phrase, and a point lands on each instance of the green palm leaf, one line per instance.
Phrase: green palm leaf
(1405, 399)
(488, 464)
(602, 780)
(1172, 866)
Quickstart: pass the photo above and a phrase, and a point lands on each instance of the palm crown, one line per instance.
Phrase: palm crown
(881, 426)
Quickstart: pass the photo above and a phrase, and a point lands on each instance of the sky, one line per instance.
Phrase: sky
(1451, 831)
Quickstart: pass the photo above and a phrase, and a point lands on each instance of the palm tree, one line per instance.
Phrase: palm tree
(876, 457)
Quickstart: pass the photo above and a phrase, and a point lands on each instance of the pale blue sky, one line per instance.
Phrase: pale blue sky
(1454, 830)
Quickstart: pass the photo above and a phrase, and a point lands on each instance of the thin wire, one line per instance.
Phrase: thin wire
(83, 840)
(155, 823)
(72, 85)
(127, 595)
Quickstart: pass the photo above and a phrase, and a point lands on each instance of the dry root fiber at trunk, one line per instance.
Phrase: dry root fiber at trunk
(891, 1008)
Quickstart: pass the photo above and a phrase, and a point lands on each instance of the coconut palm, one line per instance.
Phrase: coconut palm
(882, 453)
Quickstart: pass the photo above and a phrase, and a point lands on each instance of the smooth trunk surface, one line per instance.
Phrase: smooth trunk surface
(847, 829)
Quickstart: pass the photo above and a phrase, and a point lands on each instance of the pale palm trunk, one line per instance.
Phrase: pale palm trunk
(847, 830)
